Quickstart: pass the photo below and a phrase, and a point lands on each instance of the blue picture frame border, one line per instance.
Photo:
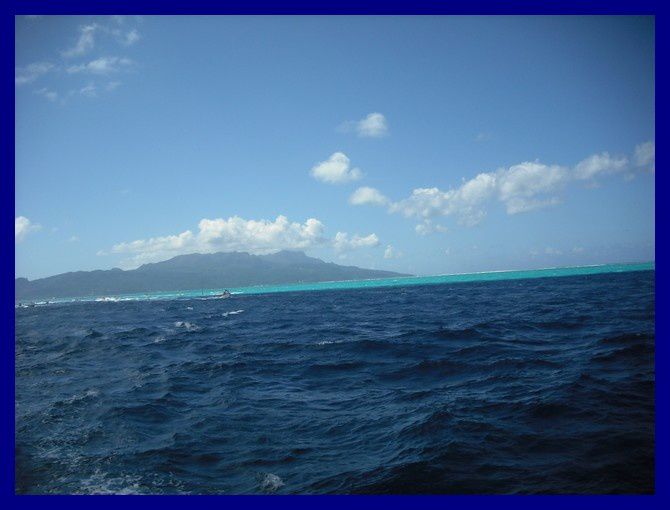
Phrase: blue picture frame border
(427, 7)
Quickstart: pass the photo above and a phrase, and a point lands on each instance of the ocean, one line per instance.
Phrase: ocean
(498, 383)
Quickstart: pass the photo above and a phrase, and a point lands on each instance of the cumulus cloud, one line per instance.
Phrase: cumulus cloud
(645, 156)
(336, 170)
(367, 195)
(85, 42)
(22, 227)
(238, 234)
(465, 201)
(31, 72)
(520, 184)
(343, 242)
(599, 164)
(231, 234)
(373, 125)
(519, 188)
(102, 65)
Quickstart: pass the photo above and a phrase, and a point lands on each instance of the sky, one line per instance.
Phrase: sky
(425, 145)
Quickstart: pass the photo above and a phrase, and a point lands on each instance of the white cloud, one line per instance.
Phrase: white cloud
(483, 137)
(391, 253)
(599, 164)
(336, 170)
(645, 155)
(31, 72)
(232, 234)
(89, 90)
(465, 201)
(47, 93)
(112, 85)
(367, 195)
(102, 65)
(552, 251)
(343, 242)
(519, 188)
(520, 184)
(374, 125)
(22, 227)
(428, 227)
(73, 239)
(85, 42)
(131, 37)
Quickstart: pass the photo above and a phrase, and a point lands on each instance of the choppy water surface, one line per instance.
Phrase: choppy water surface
(518, 386)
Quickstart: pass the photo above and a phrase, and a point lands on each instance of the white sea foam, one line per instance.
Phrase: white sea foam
(271, 482)
(77, 398)
(234, 312)
(188, 326)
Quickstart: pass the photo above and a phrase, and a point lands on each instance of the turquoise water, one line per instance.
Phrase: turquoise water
(383, 282)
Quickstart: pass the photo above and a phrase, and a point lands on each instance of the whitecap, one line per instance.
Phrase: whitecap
(188, 326)
(271, 482)
(234, 312)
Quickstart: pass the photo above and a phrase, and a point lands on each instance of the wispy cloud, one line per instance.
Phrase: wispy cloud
(89, 90)
(102, 66)
(31, 72)
(391, 253)
(429, 227)
(49, 94)
(645, 156)
(112, 85)
(85, 41)
(336, 169)
(131, 37)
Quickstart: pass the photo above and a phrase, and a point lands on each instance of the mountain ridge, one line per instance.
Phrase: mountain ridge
(194, 271)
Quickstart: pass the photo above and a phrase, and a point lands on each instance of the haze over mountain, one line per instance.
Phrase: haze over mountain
(194, 271)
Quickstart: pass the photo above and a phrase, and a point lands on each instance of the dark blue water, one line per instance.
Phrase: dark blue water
(526, 386)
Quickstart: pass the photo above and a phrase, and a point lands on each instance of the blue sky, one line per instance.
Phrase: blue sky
(418, 144)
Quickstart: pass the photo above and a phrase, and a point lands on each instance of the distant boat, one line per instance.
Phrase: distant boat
(224, 295)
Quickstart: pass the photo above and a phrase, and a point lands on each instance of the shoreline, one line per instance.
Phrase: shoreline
(481, 276)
